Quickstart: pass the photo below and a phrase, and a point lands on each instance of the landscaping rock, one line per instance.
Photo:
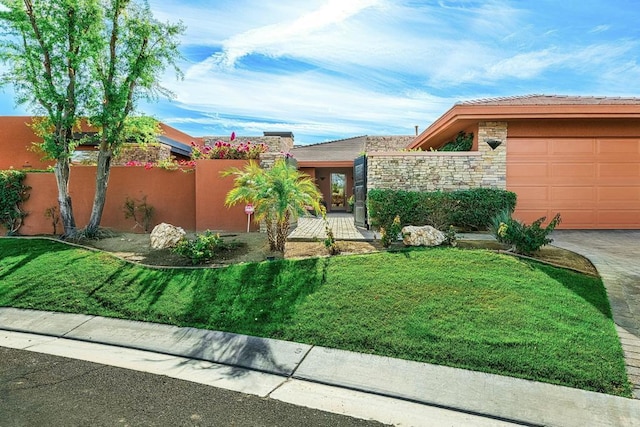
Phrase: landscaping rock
(166, 236)
(422, 236)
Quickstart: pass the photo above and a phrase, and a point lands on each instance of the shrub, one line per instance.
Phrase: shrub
(227, 150)
(524, 239)
(141, 212)
(466, 209)
(390, 233)
(478, 206)
(462, 142)
(13, 193)
(202, 248)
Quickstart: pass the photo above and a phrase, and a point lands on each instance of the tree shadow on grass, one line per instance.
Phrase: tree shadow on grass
(588, 288)
(256, 299)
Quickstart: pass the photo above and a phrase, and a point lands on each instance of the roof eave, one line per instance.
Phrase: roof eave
(461, 112)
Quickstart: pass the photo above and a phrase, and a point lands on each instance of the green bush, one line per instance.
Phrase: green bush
(13, 193)
(462, 142)
(202, 248)
(524, 239)
(390, 234)
(465, 209)
(478, 206)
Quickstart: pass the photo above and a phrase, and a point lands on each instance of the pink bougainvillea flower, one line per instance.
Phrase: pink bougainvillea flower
(233, 136)
(148, 165)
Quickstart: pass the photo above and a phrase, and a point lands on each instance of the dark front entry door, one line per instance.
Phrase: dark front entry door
(360, 191)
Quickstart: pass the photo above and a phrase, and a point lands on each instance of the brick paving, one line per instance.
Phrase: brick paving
(616, 255)
(341, 223)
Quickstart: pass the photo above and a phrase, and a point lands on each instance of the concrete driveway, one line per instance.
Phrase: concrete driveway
(616, 255)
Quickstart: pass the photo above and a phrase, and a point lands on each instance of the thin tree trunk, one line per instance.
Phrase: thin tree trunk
(283, 230)
(62, 173)
(102, 181)
(271, 238)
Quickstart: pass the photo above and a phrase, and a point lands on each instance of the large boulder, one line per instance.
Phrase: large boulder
(422, 236)
(166, 236)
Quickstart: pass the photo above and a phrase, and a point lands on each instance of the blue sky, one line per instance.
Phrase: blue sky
(332, 69)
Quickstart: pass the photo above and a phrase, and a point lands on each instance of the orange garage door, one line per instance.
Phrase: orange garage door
(592, 182)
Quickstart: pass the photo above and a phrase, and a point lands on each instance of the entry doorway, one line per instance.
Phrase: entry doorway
(338, 191)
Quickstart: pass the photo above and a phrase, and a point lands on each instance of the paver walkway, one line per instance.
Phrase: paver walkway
(616, 255)
(341, 223)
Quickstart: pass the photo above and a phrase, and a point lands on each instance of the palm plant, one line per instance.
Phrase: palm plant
(278, 195)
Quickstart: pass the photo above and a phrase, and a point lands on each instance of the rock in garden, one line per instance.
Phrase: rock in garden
(166, 236)
(422, 236)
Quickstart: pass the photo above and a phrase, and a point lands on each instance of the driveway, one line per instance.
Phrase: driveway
(616, 255)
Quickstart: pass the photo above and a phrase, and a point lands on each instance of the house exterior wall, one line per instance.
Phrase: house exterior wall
(429, 171)
(387, 143)
(16, 145)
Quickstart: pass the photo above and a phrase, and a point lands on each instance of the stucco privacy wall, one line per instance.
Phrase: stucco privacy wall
(193, 200)
(429, 171)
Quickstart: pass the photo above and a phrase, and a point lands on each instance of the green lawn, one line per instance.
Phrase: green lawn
(470, 309)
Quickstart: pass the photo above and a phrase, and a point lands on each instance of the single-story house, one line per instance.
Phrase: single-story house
(579, 156)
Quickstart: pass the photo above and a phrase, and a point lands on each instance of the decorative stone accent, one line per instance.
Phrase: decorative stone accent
(422, 236)
(166, 236)
(446, 171)
(149, 153)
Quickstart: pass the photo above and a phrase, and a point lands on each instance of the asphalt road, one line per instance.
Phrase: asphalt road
(43, 390)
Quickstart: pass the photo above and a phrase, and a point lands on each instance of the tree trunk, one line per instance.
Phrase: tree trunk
(283, 230)
(102, 181)
(271, 238)
(62, 173)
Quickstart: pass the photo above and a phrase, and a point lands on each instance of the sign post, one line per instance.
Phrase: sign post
(249, 209)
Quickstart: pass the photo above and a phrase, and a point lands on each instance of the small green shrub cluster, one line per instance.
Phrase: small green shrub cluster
(203, 248)
(13, 192)
(390, 234)
(462, 142)
(466, 209)
(524, 239)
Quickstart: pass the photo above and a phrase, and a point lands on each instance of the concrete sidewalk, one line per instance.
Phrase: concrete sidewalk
(365, 386)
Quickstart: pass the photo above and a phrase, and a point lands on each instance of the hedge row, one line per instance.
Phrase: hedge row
(466, 209)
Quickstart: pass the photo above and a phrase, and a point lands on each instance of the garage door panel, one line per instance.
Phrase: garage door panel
(573, 170)
(619, 170)
(619, 194)
(531, 170)
(577, 218)
(618, 218)
(573, 147)
(617, 146)
(530, 147)
(562, 195)
(593, 183)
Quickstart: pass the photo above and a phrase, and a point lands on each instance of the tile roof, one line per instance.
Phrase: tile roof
(538, 99)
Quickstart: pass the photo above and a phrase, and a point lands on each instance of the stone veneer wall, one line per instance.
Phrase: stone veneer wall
(447, 171)
(387, 143)
(276, 144)
(149, 153)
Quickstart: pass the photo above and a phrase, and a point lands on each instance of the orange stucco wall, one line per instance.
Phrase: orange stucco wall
(211, 190)
(193, 200)
(16, 143)
(171, 193)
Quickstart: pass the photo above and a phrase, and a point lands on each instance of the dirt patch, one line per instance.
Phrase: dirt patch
(311, 249)
(549, 254)
(253, 247)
